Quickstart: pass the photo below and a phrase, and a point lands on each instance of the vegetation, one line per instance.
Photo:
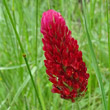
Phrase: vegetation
(24, 83)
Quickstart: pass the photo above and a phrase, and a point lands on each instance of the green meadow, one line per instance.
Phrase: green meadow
(24, 84)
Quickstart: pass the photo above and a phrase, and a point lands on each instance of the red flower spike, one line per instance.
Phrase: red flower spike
(64, 63)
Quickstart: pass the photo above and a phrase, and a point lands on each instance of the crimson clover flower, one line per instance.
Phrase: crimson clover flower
(64, 64)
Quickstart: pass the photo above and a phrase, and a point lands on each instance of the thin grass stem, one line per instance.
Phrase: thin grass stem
(24, 55)
(48, 4)
(96, 68)
(36, 53)
(107, 8)
(77, 105)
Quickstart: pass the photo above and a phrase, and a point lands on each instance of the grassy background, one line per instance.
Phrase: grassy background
(16, 89)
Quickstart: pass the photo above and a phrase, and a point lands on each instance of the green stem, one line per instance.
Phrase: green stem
(4, 80)
(108, 31)
(17, 36)
(13, 11)
(9, 31)
(108, 49)
(26, 104)
(77, 105)
(36, 53)
(48, 4)
(24, 56)
(96, 68)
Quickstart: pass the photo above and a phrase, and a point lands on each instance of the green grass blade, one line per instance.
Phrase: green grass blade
(94, 60)
(4, 80)
(36, 53)
(109, 98)
(13, 11)
(9, 31)
(14, 67)
(14, 28)
(26, 104)
(40, 93)
(5, 100)
(23, 85)
(48, 4)
(108, 30)
(39, 98)
(107, 3)
(24, 56)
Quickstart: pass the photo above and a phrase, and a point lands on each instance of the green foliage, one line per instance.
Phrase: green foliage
(16, 88)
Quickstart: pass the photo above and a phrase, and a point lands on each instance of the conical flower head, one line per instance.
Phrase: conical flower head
(64, 63)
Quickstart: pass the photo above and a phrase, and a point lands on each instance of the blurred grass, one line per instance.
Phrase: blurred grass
(13, 71)
(93, 57)
(107, 11)
(25, 57)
